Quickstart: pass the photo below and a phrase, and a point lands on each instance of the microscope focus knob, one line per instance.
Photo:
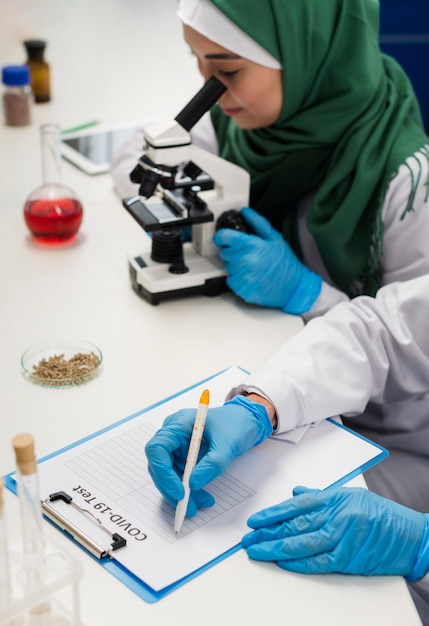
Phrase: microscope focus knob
(167, 247)
(232, 219)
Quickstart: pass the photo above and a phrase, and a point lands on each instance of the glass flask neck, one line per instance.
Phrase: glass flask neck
(51, 153)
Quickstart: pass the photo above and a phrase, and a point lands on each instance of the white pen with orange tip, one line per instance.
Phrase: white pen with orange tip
(191, 459)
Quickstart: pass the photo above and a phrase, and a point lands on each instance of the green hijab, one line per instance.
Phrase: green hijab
(349, 120)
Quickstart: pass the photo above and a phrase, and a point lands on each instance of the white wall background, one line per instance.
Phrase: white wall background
(111, 60)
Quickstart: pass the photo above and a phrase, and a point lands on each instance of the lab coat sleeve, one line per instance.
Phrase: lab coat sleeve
(405, 253)
(362, 350)
(328, 298)
(127, 156)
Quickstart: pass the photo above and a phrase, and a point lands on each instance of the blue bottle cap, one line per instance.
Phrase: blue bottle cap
(15, 75)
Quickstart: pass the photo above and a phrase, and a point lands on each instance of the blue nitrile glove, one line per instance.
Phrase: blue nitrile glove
(343, 530)
(262, 269)
(230, 430)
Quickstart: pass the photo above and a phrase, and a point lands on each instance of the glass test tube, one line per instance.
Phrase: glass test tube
(31, 517)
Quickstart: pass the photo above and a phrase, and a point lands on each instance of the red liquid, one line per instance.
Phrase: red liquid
(53, 220)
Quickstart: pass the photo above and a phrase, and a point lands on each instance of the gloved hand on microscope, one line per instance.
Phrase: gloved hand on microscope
(262, 268)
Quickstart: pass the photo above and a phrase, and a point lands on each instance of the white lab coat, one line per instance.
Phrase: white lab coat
(367, 349)
(367, 360)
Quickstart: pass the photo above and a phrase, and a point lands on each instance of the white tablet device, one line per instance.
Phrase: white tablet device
(92, 149)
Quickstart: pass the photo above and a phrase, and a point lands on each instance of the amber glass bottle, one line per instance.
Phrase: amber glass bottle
(39, 69)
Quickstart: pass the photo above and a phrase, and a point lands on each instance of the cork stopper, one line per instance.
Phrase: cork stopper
(24, 453)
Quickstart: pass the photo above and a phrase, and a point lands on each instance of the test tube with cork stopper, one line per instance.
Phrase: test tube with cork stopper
(28, 493)
(31, 514)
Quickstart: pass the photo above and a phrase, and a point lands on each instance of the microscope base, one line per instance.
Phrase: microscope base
(154, 282)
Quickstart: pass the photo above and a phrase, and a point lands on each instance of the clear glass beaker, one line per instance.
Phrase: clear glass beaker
(52, 212)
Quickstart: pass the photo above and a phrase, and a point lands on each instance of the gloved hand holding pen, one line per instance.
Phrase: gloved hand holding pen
(262, 269)
(229, 431)
(343, 530)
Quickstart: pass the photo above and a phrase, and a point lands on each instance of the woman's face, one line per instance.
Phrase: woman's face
(254, 95)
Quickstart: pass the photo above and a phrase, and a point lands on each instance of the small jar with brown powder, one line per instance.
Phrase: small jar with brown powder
(17, 95)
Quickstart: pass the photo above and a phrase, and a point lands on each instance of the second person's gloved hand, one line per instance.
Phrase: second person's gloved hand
(230, 430)
(343, 530)
(262, 269)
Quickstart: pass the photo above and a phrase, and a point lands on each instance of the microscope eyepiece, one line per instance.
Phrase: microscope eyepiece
(200, 103)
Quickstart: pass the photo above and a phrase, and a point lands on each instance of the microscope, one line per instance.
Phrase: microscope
(183, 188)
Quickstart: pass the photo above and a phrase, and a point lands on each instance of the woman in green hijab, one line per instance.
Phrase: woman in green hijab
(330, 131)
(338, 155)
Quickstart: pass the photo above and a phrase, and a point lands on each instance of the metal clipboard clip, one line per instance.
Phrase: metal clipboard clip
(117, 540)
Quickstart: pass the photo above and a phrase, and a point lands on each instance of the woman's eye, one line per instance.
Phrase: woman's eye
(226, 74)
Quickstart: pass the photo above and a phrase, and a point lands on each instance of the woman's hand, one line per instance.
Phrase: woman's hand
(345, 530)
(262, 269)
(229, 431)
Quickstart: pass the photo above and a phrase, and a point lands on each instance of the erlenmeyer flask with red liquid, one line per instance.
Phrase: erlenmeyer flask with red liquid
(52, 212)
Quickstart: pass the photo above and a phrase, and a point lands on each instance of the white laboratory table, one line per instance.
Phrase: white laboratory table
(150, 352)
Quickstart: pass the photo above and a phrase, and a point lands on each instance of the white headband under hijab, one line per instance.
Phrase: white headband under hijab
(207, 19)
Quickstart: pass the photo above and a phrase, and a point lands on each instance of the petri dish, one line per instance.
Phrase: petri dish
(61, 363)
